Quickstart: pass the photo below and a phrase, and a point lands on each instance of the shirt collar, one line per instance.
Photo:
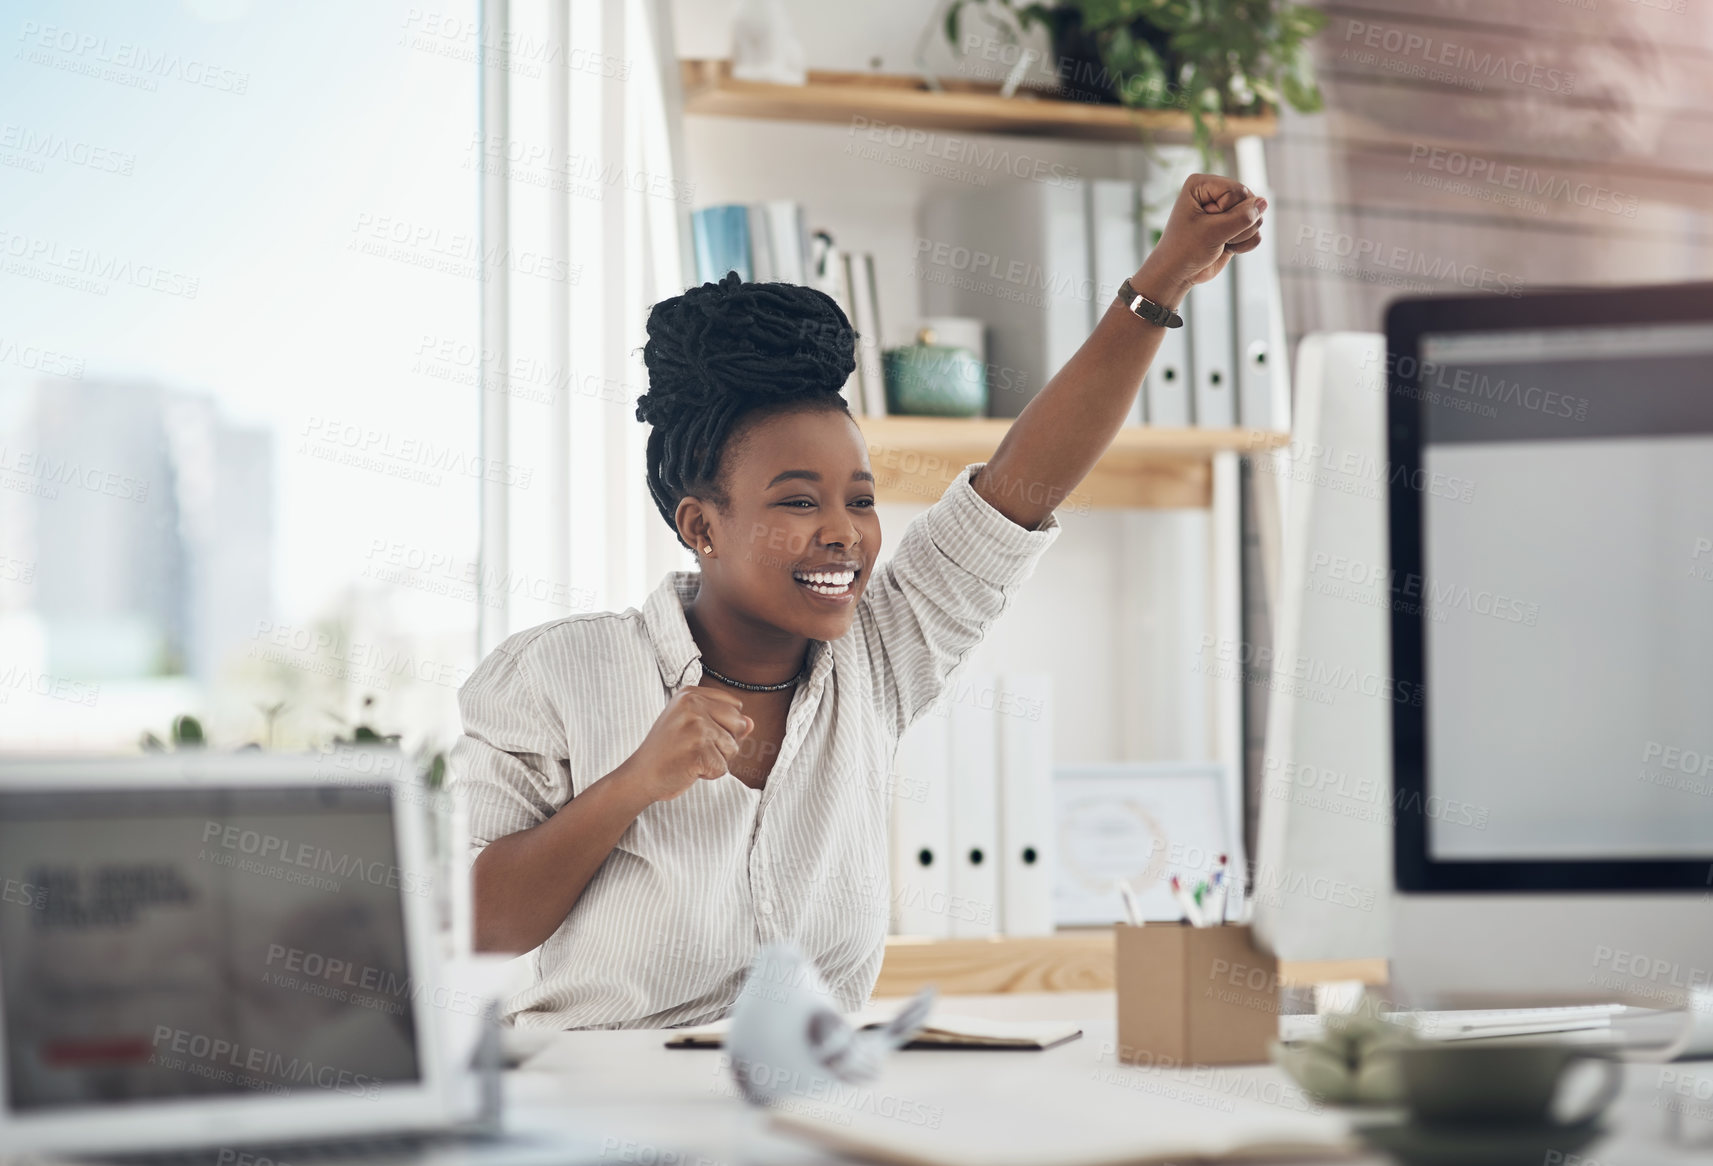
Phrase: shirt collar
(675, 649)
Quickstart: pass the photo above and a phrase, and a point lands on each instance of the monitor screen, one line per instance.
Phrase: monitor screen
(1567, 592)
(173, 943)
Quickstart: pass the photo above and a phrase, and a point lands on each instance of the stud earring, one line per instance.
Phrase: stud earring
(708, 550)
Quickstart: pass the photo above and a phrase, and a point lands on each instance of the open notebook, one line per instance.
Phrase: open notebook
(942, 1031)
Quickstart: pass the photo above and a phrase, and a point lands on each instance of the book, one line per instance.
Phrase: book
(763, 269)
(829, 273)
(721, 236)
(788, 245)
(943, 1031)
(860, 277)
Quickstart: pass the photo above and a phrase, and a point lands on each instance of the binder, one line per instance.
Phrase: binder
(1208, 320)
(1167, 387)
(1014, 255)
(974, 904)
(788, 242)
(859, 271)
(721, 235)
(829, 273)
(1263, 380)
(921, 829)
(1115, 252)
(1026, 816)
(762, 266)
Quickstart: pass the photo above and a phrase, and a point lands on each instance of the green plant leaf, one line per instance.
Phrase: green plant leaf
(187, 732)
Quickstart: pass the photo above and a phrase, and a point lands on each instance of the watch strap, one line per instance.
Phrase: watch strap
(1145, 308)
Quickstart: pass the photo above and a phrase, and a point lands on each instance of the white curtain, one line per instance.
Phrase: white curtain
(581, 147)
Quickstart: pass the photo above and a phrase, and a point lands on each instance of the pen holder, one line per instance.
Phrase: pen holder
(1194, 995)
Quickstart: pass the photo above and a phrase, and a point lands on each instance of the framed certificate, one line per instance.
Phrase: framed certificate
(1142, 822)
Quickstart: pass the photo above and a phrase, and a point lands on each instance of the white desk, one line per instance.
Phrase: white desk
(648, 1102)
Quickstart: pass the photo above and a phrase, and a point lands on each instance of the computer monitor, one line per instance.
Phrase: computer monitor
(1550, 506)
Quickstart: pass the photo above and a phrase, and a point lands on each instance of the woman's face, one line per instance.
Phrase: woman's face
(796, 544)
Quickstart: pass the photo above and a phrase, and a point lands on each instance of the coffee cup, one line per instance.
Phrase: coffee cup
(1459, 1083)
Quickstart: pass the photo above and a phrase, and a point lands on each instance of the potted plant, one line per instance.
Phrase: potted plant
(1209, 58)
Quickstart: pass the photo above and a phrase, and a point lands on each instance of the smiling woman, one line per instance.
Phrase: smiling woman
(653, 795)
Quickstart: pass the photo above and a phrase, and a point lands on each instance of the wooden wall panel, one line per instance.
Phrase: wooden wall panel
(1438, 176)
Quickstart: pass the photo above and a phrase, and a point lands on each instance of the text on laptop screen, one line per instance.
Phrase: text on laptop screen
(1568, 592)
(186, 943)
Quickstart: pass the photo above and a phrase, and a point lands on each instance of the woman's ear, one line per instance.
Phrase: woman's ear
(693, 524)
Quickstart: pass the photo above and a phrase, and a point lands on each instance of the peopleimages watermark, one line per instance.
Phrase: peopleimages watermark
(35, 358)
(344, 981)
(1367, 799)
(1674, 767)
(994, 275)
(248, 1067)
(582, 175)
(30, 149)
(16, 677)
(442, 573)
(227, 844)
(1358, 472)
(649, 1154)
(23, 894)
(86, 269)
(458, 253)
(970, 160)
(519, 376)
(1523, 181)
(330, 653)
(1405, 260)
(1457, 386)
(461, 38)
(1646, 976)
(1703, 550)
(123, 62)
(1222, 656)
(1342, 577)
(402, 455)
(19, 571)
(1434, 59)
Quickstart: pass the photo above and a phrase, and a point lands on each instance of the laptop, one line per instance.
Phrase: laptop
(226, 955)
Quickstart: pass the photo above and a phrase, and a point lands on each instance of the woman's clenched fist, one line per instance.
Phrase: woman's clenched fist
(691, 740)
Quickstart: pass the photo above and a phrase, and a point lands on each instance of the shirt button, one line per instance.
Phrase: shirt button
(767, 907)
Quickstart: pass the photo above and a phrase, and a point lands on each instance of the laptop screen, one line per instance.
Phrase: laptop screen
(183, 943)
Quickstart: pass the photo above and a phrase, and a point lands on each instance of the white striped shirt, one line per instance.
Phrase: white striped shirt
(665, 930)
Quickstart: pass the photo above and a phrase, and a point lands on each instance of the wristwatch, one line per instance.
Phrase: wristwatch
(1147, 309)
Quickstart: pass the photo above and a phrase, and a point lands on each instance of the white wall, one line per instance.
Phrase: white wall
(1118, 605)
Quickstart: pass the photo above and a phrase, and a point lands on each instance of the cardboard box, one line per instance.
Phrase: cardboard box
(1194, 995)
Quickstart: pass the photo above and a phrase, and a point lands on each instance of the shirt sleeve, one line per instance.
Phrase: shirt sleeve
(510, 769)
(952, 576)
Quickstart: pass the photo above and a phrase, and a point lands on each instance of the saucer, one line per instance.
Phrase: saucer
(1476, 1145)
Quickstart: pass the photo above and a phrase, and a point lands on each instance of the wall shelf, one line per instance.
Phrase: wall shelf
(1074, 960)
(915, 458)
(962, 107)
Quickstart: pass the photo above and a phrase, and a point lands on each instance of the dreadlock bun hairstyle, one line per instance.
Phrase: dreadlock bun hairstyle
(721, 352)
